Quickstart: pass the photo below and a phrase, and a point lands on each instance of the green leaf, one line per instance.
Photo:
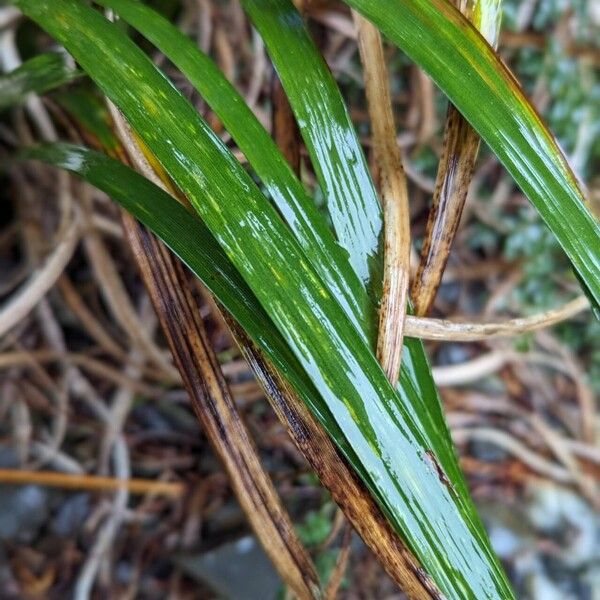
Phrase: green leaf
(308, 225)
(39, 74)
(182, 231)
(438, 523)
(177, 228)
(341, 168)
(328, 132)
(437, 37)
(288, 194)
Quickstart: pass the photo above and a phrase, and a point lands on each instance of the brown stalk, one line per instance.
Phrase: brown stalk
(394, 197)
(285, 130)
(90, 482)
(211, 399)
(212, 402)
(459, 153)
(456, 331)
(461, 145)
(337, 476)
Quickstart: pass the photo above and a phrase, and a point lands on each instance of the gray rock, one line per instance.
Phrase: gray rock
(70, 515)
(504, 541)
(239, 570)
(23, 510)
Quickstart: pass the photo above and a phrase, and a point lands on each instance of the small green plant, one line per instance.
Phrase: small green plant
(306, 288)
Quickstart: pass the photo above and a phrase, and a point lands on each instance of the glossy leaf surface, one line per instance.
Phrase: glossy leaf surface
(39, 74)
(188, 238)
(176, 226)
(181, 231)
(315, 97)
(290, 197)
(416, 385)
(328, 132)
(437, 521)
(443, 42)
(308, 225)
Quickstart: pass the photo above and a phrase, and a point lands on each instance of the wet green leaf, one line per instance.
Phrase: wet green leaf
(437, 37)
(282, 185)
(328, 132)
(181, 231)
(308, 225)
(39, 74)
(386, 435)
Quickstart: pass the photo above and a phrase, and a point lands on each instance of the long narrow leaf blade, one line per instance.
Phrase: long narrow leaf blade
(178, 229)
(181, 231)
(438, 523)
(308, 225)
(442, 41)
(189, 239)
(315, 98)
(328, 132)
(290, 197)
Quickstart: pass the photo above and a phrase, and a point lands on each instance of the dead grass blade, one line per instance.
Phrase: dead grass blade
(89, 482)
(459, 153)
(394, 195)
